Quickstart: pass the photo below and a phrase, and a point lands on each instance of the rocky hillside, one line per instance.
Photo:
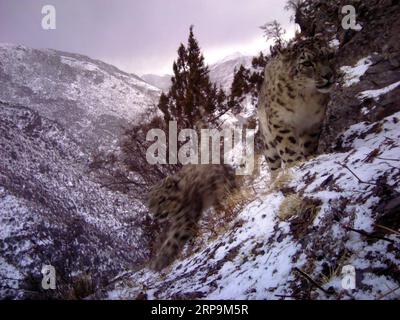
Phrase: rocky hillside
(369, 60)
(52, 213)
(294, 237)
(90, 99)
(55, 108)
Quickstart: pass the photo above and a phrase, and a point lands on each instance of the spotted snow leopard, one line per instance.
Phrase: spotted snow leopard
(293, 99)
(181, 198)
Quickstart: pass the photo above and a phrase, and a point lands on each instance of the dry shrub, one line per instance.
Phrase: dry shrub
(217, 221)
(82, 287)
(126, 168)
(332, 271)
(300, 212)
(301, 207)
(282, 181)
(291, 205)
(68, 287)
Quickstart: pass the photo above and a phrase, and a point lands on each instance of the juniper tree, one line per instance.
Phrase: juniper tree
(247, 81)
(192, 98)
(239, 88)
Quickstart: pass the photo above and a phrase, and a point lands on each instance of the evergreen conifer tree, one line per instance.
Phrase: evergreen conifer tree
(192, 98)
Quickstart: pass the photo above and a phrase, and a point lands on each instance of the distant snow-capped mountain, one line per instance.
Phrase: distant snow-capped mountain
(221, 72)
(162, 82)
(89, 98)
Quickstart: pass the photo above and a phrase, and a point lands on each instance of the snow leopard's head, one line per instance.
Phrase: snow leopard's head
(163, 200)
(312, 65)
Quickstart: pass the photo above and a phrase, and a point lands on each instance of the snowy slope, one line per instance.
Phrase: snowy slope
(52, 213)
(55, 109)
(257, 257)
(89, 98)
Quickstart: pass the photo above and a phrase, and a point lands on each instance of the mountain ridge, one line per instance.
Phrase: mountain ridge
(92, 99)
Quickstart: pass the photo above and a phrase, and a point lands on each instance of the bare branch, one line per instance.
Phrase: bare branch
(358, 178)
(273, 30)
(305, 275)
(368, 235)
(388, 159)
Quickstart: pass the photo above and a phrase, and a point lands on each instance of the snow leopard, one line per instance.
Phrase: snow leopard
(182, 198)
(293, 99)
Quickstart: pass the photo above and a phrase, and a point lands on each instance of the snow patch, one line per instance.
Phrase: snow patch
(374, 94)
(352, 74)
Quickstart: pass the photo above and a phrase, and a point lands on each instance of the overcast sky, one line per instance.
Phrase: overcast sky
(142, 36)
